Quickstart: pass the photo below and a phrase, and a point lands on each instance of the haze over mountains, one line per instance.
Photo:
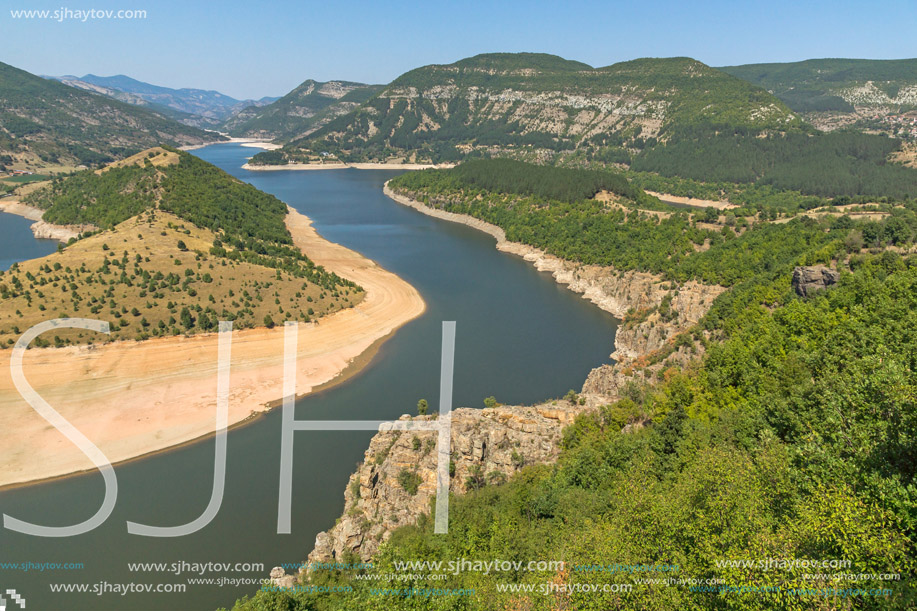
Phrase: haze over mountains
(206, 108)
(45, 123)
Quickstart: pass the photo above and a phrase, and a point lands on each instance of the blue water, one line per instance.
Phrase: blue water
(520, 337)
(17, 242)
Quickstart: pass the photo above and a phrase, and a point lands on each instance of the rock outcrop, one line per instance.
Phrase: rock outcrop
(809, 280)
(396, 481)
(490, 445)
(654, 311)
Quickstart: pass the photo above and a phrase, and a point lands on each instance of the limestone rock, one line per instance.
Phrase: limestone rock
(809, 280)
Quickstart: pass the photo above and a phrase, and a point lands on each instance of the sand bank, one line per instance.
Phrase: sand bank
(134, 398)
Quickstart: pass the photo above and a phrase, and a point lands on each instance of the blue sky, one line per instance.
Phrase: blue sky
(252, 49)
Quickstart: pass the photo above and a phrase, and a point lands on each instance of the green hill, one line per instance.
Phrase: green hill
(46, 123)
(177, 245)
(300, 112)
(836, 84)
(512, 103)
(865, 94)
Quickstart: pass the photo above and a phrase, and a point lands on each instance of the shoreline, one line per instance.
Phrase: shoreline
(141, 398)
(608, 289)
(254, 142)
(564, 272)
(345, 166)
(41, 229)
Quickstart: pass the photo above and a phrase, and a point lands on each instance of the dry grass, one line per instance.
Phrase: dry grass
(75, 283)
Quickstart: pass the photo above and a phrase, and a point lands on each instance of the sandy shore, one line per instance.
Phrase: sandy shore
(344, 166)
(254, 142)
(134, 398)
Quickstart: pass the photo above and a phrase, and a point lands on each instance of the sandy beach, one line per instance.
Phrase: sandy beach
(134, 398)
(344, 166)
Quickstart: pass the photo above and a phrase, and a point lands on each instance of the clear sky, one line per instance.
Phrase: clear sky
(252, 49)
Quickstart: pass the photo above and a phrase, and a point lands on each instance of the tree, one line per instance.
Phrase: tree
(422, 406)
(268, 321)
(490, 402)
(181, 245)
(186, 320)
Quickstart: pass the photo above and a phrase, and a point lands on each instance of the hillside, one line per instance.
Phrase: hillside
(178, 245)
(778, 428)
(875, 95)
(499, 103)
(45, 123)
(198, 107)
(300, 112)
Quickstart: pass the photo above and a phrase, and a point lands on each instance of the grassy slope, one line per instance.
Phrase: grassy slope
(102, 277)
(176, 233)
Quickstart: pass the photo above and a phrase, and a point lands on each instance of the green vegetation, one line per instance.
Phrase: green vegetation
(410, 481)
(402, 123)
(43, 122)
(674, 244)
(793, 436)
(138, 278)
(305, 109)
(827, 165)
(179, 245)
(819, 84)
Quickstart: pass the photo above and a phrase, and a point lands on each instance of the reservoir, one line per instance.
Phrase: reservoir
(520, 337)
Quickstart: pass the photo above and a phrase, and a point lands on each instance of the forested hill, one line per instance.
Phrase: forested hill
(554, 209)
(178, 245)
(300, 112)
(518, 102)
(45, 123)
(866, 95)
(836, 84)
(785, 440)
(170, 180)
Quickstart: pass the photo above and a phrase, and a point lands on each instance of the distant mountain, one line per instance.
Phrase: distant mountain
(203, 108)
(44, 122)
(839, 92)
(300, 112)
(509, 102)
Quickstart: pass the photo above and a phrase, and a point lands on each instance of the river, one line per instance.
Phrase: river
(520, 337)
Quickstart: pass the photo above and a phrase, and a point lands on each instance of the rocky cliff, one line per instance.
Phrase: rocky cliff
(396, 481)
(654, 310)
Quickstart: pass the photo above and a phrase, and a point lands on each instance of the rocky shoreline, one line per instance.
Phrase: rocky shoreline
(495, 443)
(41, 229)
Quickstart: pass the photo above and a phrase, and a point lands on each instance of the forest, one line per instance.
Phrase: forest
(826, 165)
(793, 437)
(516, 197)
